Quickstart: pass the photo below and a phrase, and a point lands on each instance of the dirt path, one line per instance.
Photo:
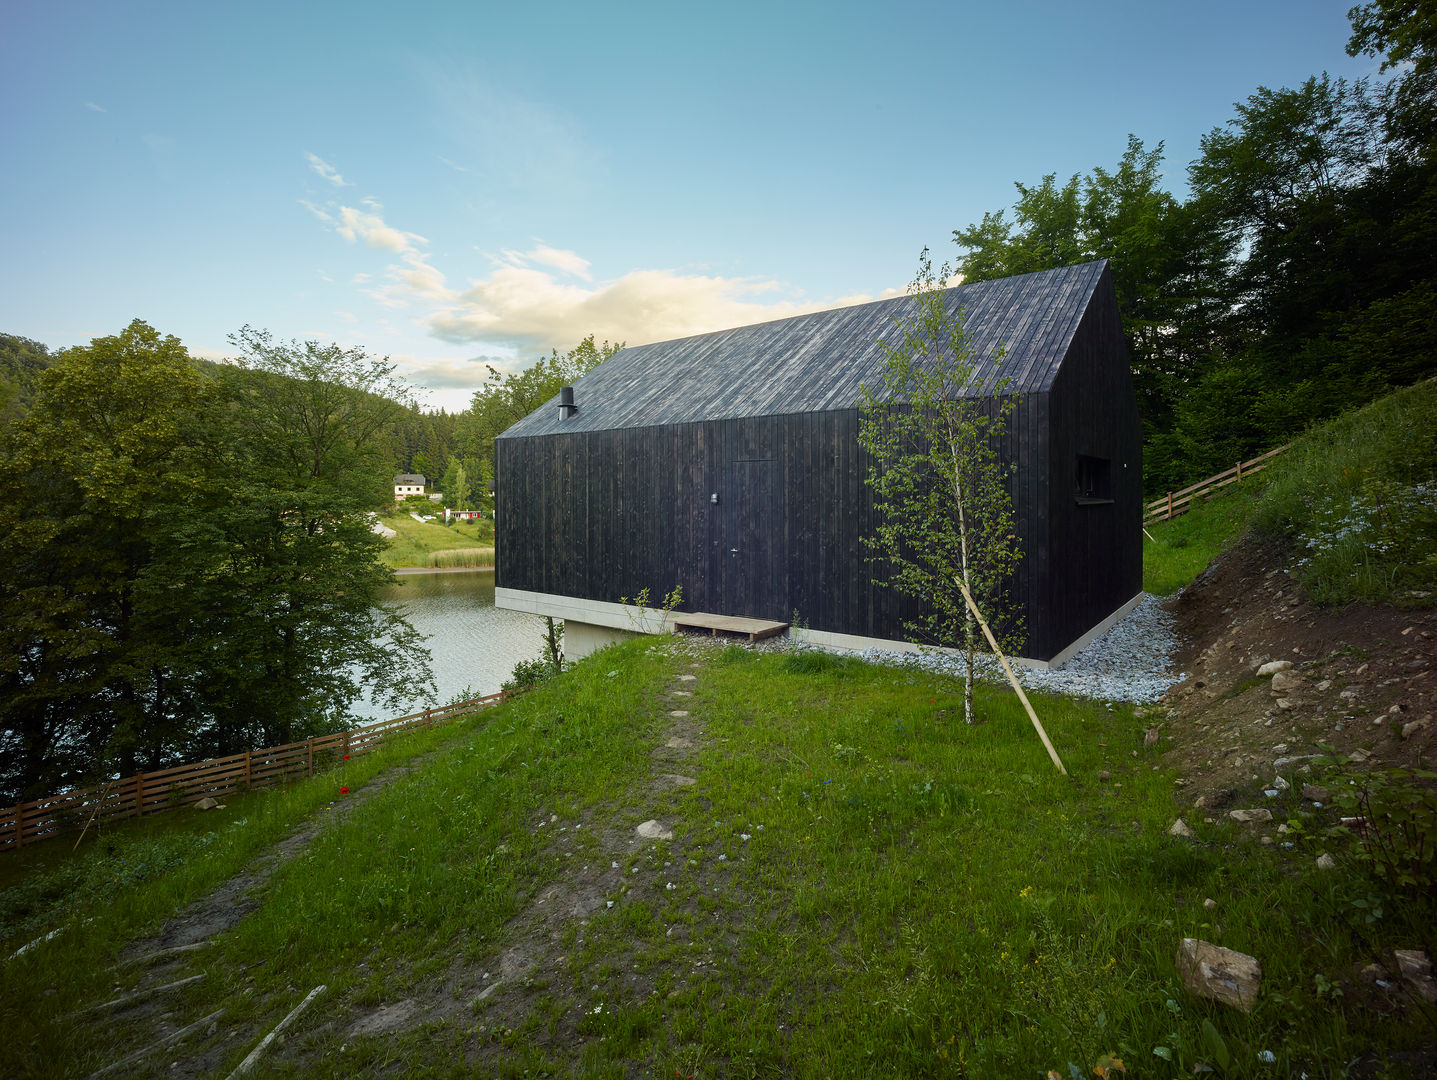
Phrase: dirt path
(156, 974)
(610, 858)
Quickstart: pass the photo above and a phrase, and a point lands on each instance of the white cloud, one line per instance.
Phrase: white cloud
(546, 297)
(526, 306)
(94, 108)
(356, 224)
(326, 170)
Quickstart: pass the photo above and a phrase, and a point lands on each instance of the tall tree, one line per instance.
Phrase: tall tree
(1123, 215)
(933, 426)
(92, 666)
(190, 569)
(295, 596)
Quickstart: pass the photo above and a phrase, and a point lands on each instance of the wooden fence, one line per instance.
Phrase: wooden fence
(1180, 502)
(167, 789)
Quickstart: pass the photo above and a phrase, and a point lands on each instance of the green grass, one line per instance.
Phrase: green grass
(422, 543)
(1358, 497)
(1176, 551)
(861, 886)
(1355, 498)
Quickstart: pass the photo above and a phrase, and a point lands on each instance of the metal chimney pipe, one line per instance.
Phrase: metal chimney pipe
(567, 408)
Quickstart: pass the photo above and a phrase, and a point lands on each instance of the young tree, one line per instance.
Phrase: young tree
(933, 427)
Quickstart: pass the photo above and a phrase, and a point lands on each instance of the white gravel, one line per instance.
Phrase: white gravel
(1131, 662)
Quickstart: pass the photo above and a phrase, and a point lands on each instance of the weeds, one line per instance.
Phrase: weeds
(1359, 497)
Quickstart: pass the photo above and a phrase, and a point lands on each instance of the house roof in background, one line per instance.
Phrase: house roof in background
(819, 362)
(409, 478)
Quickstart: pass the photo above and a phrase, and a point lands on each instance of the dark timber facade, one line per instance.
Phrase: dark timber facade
(729, 463)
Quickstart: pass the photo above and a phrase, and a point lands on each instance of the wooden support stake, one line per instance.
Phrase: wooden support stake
(309, 744)
(247, 776)
(19, 827)
(254, 1055)
(138, 995)
(173, 1037)
(1012, 678)
(139, 793)
(99, 804)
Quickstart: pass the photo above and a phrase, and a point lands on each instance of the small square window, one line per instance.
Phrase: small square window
(1093, 481)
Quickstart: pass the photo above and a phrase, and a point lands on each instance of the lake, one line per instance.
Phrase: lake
(474, 644)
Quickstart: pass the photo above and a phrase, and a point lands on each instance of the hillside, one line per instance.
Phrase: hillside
(1366, 685)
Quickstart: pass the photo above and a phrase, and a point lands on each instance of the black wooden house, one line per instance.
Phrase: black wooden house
(729, 463)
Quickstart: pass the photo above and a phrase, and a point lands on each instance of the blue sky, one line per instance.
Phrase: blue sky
(452, 184)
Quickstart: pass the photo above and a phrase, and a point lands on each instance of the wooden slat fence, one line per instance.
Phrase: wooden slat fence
(1180, 502)
(166, 789)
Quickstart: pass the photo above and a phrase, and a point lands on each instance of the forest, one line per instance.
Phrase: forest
(189, 567)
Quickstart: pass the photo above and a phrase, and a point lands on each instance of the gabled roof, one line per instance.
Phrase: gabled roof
(819, 362)
(409, 478)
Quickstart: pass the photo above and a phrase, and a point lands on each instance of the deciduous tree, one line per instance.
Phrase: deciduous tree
(933, 426)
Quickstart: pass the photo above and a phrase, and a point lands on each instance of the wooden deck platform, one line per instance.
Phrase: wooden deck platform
(753, 629)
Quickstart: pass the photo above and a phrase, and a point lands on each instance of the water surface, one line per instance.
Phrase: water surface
(474, 644)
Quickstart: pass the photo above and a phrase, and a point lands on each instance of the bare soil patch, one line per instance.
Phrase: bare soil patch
(1362, 686)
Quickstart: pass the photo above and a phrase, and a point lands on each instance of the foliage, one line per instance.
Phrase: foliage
(191, 566)
(528, 674)
(932, 429)
(1156, 254)
(1392, 817)
(1296, 281)
(1357, 497)
(21, 363)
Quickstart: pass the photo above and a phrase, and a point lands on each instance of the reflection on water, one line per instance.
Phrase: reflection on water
(474, 644)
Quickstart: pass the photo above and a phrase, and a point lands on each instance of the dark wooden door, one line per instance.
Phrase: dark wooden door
(750, 562)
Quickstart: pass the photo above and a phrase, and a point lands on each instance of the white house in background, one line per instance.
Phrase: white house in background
(407, 484)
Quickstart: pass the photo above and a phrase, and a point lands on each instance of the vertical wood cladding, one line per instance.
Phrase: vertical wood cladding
(600, 512)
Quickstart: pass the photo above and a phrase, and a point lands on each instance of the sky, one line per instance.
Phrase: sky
(455, 185)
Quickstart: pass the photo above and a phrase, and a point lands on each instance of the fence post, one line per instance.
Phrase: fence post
(428, 719)
(247, 776)
(139, 793)
(19, 827)
(1170, 507)
(309, 749)
(1239, 472)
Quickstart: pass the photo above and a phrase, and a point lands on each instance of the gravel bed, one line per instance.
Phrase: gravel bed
(1131, 662)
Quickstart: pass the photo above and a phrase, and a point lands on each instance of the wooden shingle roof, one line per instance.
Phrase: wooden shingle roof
(819, 362)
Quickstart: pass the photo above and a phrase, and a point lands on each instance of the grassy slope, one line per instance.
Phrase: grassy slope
(422, 543)
(917, 898)
(1356, 497)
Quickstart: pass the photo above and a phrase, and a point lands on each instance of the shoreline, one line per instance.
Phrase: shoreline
(406, 570)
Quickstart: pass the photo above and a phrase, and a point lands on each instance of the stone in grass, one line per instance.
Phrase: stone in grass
(1273, 667)
(654, 830)
(1249, 816)
(1218, 974)
(1326, 862)
(208, 804)
(1179, 828)
(1416, 968)
(1284, 682)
